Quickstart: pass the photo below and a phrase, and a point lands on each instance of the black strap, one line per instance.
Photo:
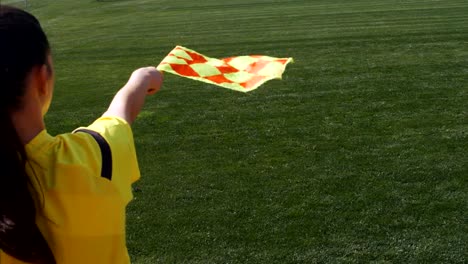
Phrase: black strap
(106, 154)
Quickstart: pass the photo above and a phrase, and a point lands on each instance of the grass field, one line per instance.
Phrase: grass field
(357, 156)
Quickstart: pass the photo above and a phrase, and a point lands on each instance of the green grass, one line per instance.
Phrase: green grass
(357, 156)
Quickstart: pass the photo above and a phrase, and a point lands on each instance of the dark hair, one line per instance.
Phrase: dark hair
(23, 45)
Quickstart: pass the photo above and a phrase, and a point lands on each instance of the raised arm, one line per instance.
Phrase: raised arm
(129, 100)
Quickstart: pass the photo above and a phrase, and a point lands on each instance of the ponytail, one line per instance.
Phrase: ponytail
(23, 45)
(19, 234)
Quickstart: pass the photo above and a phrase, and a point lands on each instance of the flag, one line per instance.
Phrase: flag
(241, 73)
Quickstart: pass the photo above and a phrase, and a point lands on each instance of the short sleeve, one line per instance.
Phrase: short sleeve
(117, 133)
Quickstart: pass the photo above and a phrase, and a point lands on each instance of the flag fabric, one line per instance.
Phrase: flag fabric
(242, 73)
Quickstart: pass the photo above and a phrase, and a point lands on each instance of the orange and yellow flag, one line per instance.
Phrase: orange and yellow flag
(242, 73)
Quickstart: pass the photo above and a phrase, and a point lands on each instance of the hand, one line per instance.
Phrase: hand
(148, 78)
(129, 100)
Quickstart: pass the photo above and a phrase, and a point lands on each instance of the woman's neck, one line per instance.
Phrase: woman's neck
(28, 122)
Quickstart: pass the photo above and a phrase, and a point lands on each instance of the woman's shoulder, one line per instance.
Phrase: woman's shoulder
(100, 153)
(82, 140)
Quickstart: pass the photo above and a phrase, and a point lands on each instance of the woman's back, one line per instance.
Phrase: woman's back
(83, 218)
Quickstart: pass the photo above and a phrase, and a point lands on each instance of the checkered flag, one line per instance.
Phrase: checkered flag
(242, 73)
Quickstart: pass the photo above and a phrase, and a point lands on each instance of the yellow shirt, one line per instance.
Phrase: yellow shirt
(83, 216)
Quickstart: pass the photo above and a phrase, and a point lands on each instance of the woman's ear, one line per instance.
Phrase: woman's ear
(47, 77)
(45, 86)
(43, 80)
(50, 65)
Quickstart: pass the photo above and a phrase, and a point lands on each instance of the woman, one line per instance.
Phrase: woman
(62, 198)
